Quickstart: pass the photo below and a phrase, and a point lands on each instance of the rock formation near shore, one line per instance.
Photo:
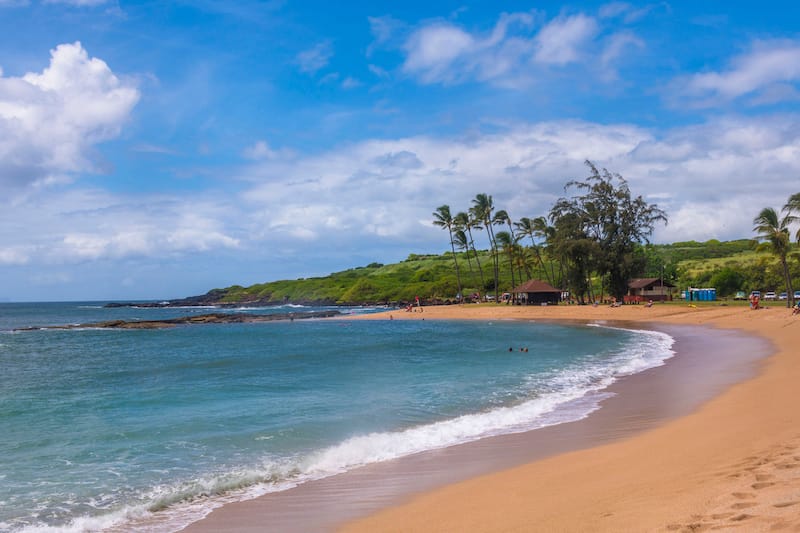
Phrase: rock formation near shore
(211, 318)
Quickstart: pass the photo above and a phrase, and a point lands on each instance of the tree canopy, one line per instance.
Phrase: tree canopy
(603, 225)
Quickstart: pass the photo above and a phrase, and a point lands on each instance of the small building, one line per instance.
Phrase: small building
(645, 289)
(536, 292)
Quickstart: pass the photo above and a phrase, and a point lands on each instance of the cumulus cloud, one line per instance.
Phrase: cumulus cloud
(50, 121)
(768, 70)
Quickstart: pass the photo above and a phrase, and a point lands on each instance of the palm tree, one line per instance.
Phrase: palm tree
(482, 207)
(501, 218)
(774, 231)
(547, 232)
(462, 242)
(528, 228)
(465, 221)
(443, 219)
(506, 241)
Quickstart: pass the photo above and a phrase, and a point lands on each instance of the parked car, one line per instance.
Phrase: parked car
(740, 295)
(797, 295)
(783, 296)
(770, 295)
(755, 294)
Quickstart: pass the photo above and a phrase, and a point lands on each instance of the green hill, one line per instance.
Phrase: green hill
(730, 266)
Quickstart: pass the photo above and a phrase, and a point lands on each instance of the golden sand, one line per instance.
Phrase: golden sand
(732, 464)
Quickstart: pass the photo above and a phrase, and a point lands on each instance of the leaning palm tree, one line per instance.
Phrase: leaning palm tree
(526, 228)
(506, 241)
(547, 232)
(500, 218)
(774, 231)
(464, 221)
(462, 242)
(482, 208)
(443, 219)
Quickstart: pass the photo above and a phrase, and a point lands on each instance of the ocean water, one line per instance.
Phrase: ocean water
(150, 429)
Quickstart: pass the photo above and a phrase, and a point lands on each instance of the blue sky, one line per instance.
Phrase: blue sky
(161, 149)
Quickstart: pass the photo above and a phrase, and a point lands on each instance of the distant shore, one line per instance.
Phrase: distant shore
(733, 462)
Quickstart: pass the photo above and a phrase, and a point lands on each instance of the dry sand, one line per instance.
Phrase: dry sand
(732, 464)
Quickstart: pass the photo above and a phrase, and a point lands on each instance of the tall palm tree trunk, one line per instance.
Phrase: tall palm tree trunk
(477, 259)
(455, 261)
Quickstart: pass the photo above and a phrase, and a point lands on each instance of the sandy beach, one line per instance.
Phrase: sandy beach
(732, 462)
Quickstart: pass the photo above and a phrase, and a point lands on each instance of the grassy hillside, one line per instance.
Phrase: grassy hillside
(731, 266)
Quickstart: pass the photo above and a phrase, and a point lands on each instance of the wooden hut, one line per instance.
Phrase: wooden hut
(536, 292)
(644, 289)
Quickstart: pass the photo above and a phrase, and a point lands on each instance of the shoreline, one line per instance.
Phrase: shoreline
(732, 463)
(411, 508)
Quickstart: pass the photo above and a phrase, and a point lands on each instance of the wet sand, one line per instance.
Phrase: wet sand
(729, 460)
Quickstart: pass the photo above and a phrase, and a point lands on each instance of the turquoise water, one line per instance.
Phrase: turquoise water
(149, 429)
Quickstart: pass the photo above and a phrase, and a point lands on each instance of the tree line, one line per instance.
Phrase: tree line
(596, 233)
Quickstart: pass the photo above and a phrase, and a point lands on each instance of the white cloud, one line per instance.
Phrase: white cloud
(14, 256)
(316, 58)
(384, 29)
(259, 150)
(378, 71)
(563, 40)
(433, 50)
(617, 46)
(74, 226)
(628, 12)
(442, 52)
(79, 3)
(613, 9)
(350, 83)
(50, 121)
(770, 67)
(512, 54)
(186, 233)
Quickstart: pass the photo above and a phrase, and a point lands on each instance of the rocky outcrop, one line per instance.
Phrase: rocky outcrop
(211, 318)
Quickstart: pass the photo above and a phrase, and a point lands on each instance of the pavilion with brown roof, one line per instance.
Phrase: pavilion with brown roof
(537, 292)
